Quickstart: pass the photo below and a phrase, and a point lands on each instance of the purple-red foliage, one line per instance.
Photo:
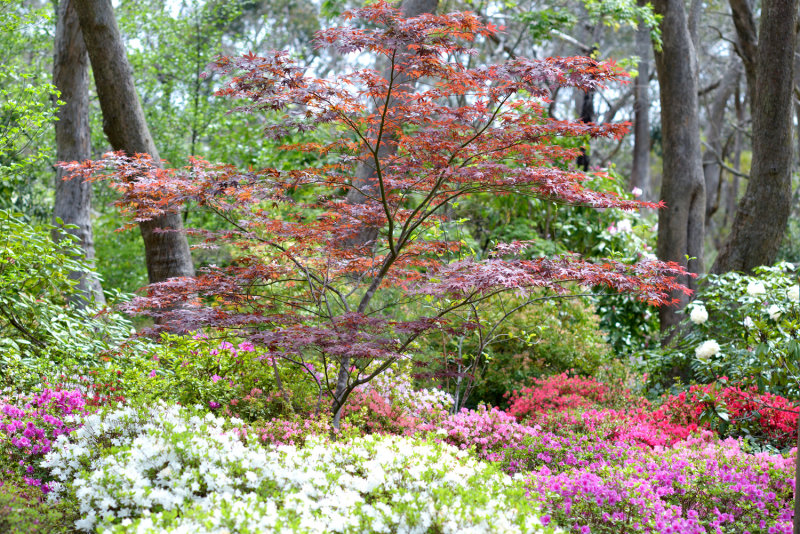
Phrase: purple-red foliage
(303, 285)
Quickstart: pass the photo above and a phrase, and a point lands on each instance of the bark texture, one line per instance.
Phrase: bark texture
(640, 171)
(764, 210)
(681, 224)
(166, 252)
(714, 154)
(73, 198)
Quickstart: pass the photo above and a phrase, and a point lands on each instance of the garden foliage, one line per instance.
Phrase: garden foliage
(306, 286)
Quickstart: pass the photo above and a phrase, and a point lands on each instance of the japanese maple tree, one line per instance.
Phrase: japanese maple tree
(434, 131)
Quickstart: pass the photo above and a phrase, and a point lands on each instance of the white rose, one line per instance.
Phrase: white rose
(699, 314)
(748, 322)
(774, 312)
(755, 289)
(793, 293)
(706, 349)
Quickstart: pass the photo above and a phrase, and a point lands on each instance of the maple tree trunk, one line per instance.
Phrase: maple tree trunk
(365, 180)
(682, 223)
(166, 253)
(764, 210)
(640, 171)
(73, 198)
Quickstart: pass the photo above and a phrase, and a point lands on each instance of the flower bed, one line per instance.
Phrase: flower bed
(172, 471)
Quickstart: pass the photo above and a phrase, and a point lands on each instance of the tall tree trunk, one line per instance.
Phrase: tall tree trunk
(365, 181)
(73, 199)
(764, 210)
(746, 45)
(712, 157)
(166, 252)
(733, 185)
(640, 172)
(682, 223)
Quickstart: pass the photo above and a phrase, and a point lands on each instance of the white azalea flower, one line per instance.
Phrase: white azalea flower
(793, 293)
(774, 312)
(748, 322)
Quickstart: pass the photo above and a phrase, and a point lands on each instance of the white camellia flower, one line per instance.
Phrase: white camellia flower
(699, 314)
(756, 289)
(748, 322)
(793, 293)
(774, 312)
(706, 349)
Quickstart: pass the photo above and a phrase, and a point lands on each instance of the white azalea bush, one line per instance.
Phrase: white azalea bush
(742, 327)
(172, 469)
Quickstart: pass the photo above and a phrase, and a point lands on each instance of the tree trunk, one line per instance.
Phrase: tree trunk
(640, 172)
(166, 253)
(681, 224)
(712, 169)
(73, 198)
(746, 40)
(764, 210)
(366, 181)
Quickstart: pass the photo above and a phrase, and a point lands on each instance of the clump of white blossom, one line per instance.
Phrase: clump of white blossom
(756, 288)
(699, 314)
(397, 388)
(171, 470)
(707, 349)
(793, 293)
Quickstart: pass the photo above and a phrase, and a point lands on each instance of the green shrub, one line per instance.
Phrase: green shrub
(24, 510)
(741, 327)
(40, 333)
(223, 374)
(548, 337)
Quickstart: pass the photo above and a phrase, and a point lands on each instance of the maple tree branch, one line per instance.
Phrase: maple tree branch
(376, 156)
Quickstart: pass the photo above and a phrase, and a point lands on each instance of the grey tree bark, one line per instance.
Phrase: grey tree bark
(681, 224)
(166, 252)
(640, 171)
(713, 155)
(764, 210)
(73, 198)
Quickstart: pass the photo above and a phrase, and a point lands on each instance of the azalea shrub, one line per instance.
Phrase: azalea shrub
(742, 327)
(695, 487)
(169, 469)
(391, 403)
(24, 509)
(764, 419)
(30, 424)
(223, 373)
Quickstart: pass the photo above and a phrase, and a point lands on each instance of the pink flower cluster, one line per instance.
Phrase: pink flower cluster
(694, 487)
(31, 424)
